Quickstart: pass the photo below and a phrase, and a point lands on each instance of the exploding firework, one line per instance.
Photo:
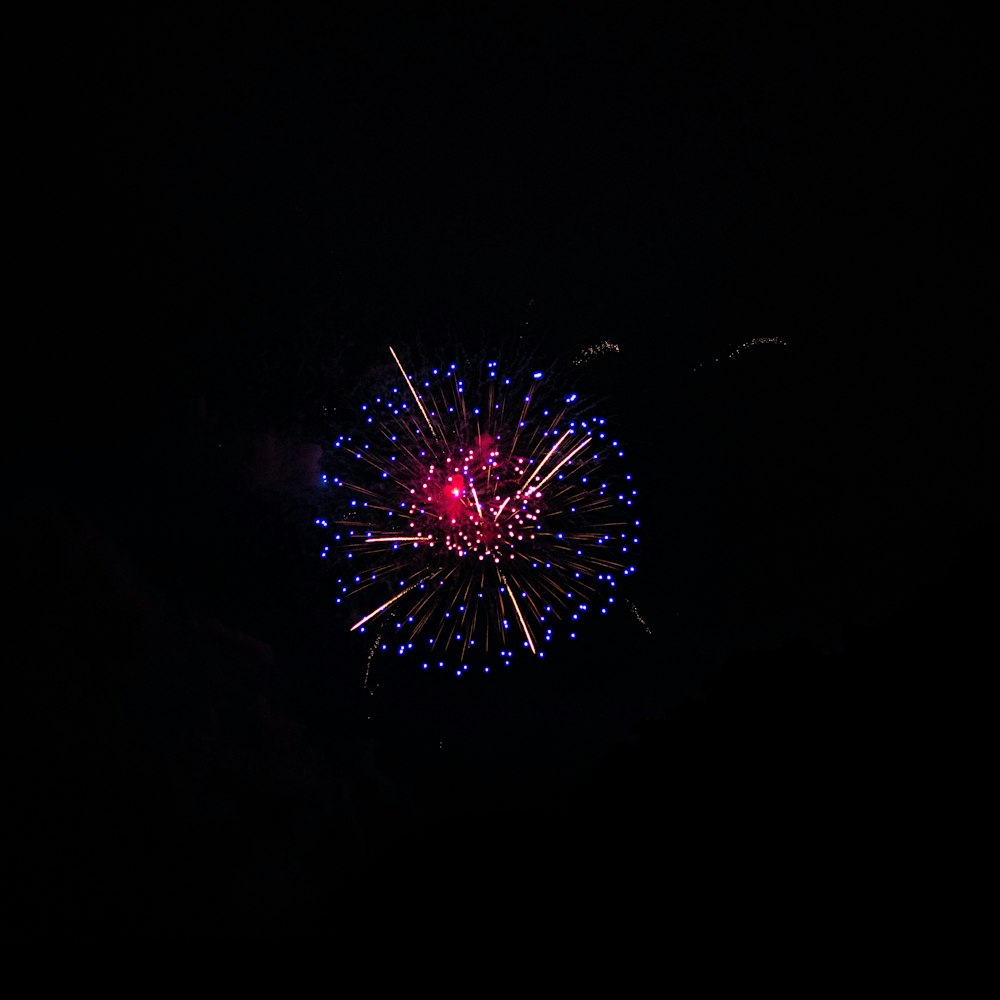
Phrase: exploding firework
(477, 513)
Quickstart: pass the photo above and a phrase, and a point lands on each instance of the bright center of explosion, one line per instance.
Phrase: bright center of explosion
(474, 506)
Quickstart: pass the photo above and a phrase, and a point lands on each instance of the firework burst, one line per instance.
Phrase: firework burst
(476, 514)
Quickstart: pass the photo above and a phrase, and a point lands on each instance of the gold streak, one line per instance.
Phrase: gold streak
(550, 453)
(406, 378)
(378, 610)
(569, 455)
(520, 617)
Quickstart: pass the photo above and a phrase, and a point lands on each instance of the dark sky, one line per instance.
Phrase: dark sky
(233, 216)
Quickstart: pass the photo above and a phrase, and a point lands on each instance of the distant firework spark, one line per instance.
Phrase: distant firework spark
(745, 346)
(604, 347)
(477, 514)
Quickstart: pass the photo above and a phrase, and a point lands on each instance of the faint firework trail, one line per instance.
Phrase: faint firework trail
(596, 350)
(742, 348)
(641, 620)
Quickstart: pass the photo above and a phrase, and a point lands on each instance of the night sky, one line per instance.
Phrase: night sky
(781, 224)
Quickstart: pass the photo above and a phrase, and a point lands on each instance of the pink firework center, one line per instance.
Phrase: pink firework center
(477, 515)
(485, 522)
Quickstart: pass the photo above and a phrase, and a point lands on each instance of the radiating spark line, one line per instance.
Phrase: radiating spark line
(399, 538)
(409, 384)
(382, 607)
(537, 486)
(537, 470)
(517, 611)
